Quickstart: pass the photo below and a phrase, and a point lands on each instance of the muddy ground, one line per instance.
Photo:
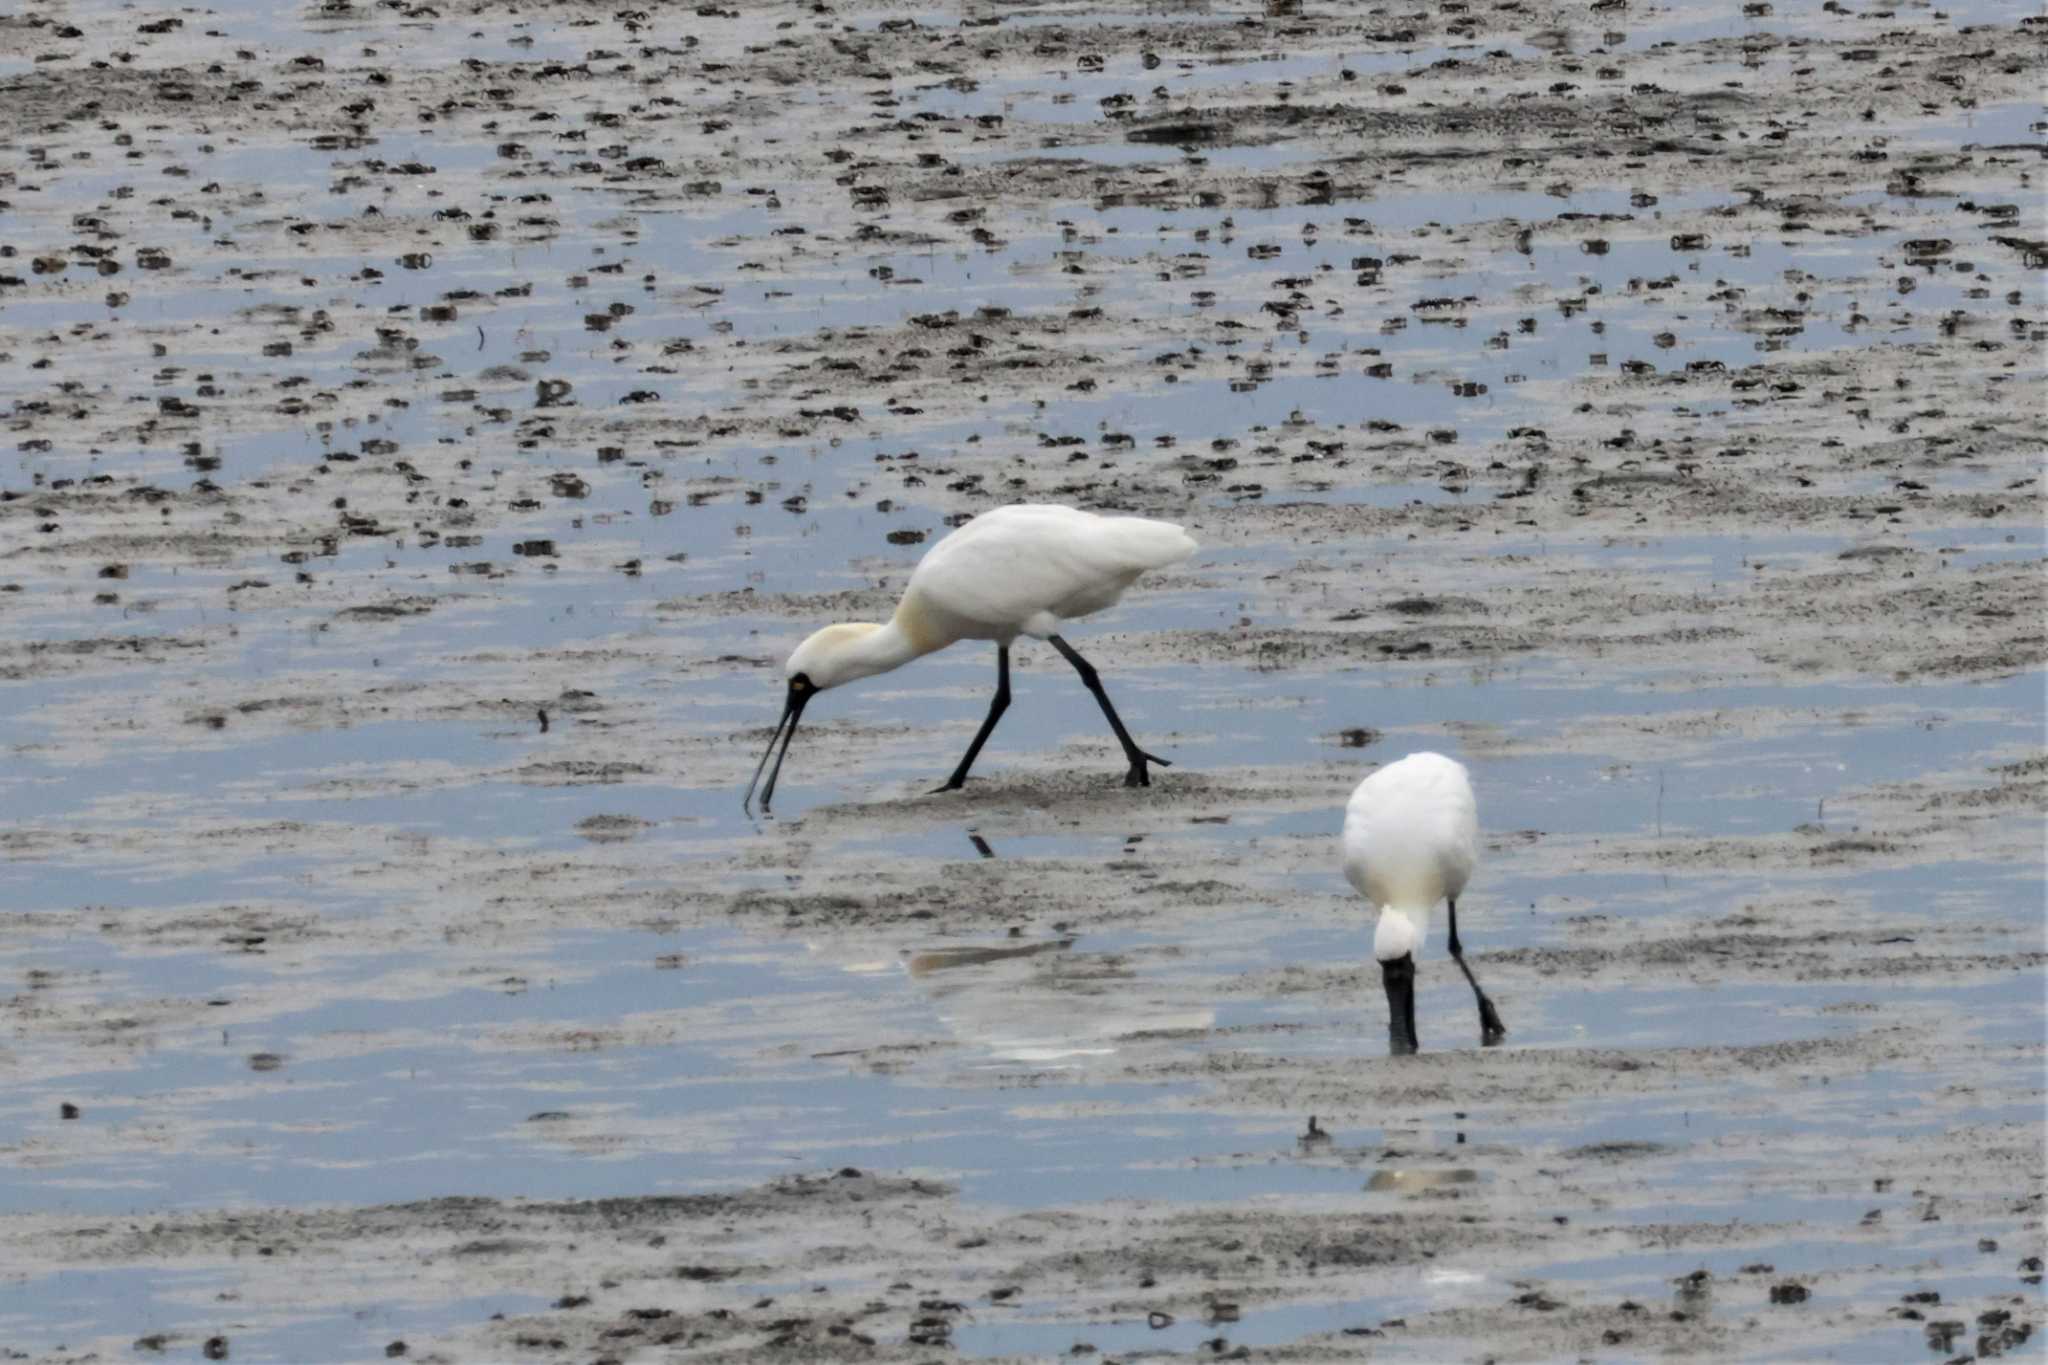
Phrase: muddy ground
(428, 428)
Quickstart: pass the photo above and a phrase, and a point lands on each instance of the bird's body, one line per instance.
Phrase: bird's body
(1017, 570)
(1411, 839)
(1023, 569)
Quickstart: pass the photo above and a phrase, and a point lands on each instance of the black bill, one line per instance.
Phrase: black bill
(800, 692)
(1399, 978)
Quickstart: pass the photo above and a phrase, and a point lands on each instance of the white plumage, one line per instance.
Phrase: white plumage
(1018, 570)
(1023, 569)
(1411, 839)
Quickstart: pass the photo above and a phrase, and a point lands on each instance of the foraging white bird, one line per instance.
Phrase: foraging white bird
(1017, 570)
(1411, 839)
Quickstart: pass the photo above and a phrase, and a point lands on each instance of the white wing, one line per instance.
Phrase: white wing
(1022, 569)
(1411, 832)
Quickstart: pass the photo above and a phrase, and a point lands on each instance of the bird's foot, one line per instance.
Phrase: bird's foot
(1491, 1029)
(1400, 1045)
(951, 784)
(1138, 776)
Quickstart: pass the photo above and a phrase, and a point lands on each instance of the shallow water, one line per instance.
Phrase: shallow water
(356, 1062)
(74, 1304)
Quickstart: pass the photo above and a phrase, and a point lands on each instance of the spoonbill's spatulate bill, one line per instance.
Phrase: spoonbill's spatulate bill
(1411, 839)
(1018, 570)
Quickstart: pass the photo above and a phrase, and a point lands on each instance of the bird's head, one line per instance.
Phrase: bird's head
(1395, 940)
(1399, 933)
(830, 656)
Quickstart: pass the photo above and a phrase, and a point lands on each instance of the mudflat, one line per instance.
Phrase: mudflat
(429, 429)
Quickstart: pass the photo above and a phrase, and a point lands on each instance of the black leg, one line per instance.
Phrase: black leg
(995, 713)
(1137, 776)
(1491, 1029)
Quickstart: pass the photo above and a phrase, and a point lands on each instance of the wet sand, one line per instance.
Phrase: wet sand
(429, 430)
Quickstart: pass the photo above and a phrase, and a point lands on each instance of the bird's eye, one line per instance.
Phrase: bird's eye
(801, 682)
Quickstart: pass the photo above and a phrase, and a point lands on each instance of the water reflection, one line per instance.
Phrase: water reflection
(1044, 1004)
(1421, 1182)
(1036, 1002)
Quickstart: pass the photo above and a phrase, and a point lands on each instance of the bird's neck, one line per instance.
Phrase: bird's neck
(877, 650)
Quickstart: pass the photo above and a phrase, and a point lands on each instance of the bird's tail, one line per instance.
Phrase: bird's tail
(1150, 544)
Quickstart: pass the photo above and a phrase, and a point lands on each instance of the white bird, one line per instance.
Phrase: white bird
(1018, 570)
(1411, 839)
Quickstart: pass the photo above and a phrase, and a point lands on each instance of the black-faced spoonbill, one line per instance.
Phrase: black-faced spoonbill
(1018, 570)
(1411, 839)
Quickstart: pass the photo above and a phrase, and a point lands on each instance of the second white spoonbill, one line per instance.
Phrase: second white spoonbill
(1017, 570)
(1411, 839)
